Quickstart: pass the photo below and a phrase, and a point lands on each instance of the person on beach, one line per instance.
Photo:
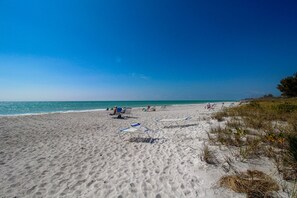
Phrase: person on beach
(114, 111)
(210, 106)
(149, 108)
(153, 108)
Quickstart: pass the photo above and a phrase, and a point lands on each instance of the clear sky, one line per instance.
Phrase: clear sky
(145, 49)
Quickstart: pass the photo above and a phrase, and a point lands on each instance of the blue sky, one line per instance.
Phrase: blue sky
(145, 50)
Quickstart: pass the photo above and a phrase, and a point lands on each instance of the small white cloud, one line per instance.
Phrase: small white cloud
(144, 77)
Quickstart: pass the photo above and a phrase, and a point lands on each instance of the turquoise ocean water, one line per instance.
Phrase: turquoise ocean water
(17, 108)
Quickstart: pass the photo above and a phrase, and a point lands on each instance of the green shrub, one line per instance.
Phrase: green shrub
(254, 104)
(286, 108)
(220, 115)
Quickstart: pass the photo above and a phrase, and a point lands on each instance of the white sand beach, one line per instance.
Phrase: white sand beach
(82, 155)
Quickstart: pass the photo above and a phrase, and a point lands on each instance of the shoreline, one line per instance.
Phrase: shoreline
(91, 110)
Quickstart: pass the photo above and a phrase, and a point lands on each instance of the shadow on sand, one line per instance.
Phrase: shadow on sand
(147, 140)
(179, 126)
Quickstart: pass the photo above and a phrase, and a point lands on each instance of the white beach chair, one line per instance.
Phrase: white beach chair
(174, 130)
(210, 106)
(174, 119)
(179, 122)
(163, 108)
(126, 112)
(137, 128)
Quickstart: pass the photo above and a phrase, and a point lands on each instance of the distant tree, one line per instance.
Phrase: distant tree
(288, 86)
(268, 96)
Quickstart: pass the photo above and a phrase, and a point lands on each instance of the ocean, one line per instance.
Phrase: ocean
(23, 108)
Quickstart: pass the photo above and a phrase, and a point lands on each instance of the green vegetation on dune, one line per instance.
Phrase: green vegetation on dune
(266, 127)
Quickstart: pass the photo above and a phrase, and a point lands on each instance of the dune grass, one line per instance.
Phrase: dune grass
(208, 156)
(262, 128)
(253, 183)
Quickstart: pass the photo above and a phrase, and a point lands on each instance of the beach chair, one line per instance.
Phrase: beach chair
(118, 112)
(173, 127)
(163, 108)
(127, 110)
(149, 109)
(138, 129)
(175, 122)
(210, 106)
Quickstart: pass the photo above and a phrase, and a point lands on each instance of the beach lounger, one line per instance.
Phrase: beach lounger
(122, 112)
(116, 111)
(231, 105)
(119, 112)
(162, 108)
(178, 122)
(210, 106)
(149, 109)
(127, 111)
(174, 119)
(137, 128)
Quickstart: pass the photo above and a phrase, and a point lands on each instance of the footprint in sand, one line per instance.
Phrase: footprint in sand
(64, 181)
(133, 188)
(145, 171)
(52, 192)
(78, 184)
(158, 196)
(90, 183)
(31, 190)
(187, 192)
(38, 194)
(43, 185)
(182, 186)
(15, 185)
(11, 179)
